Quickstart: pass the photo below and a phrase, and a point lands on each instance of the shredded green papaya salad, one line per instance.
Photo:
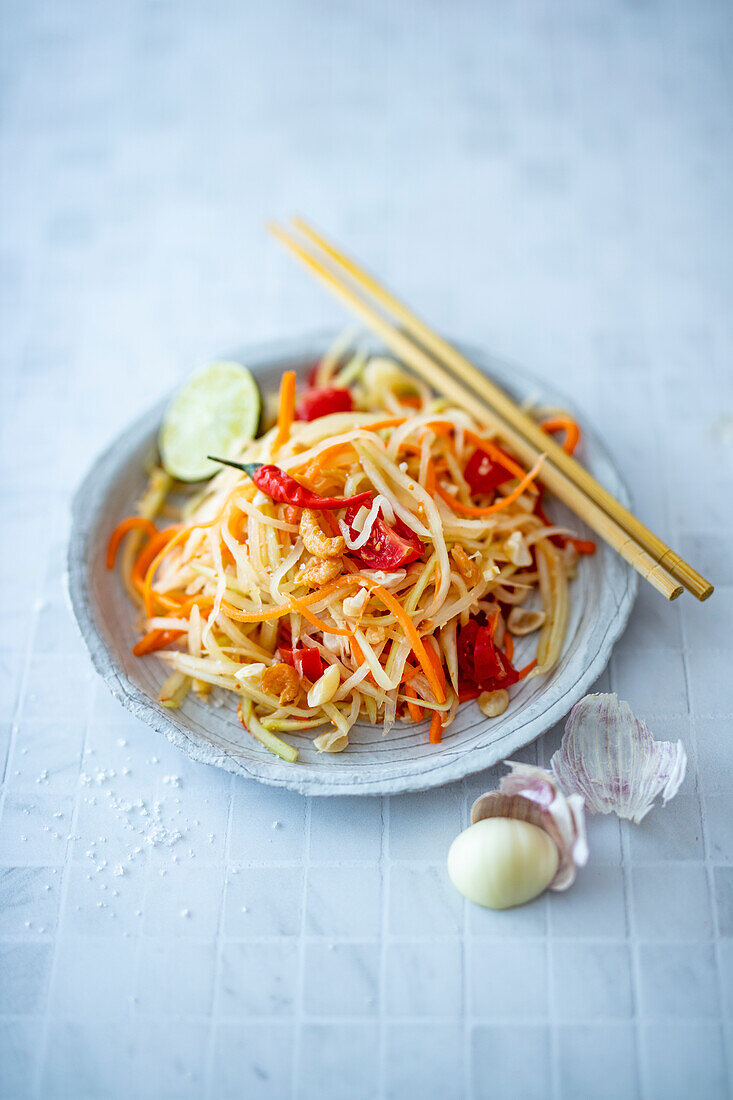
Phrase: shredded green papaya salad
(373, 555)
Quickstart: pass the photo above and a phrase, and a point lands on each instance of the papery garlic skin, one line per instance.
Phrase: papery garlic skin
(501, 862)
(612, 760)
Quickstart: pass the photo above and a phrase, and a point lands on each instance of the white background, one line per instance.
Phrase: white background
(550, 180)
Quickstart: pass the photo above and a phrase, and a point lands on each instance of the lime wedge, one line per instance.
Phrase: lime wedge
(219, 405)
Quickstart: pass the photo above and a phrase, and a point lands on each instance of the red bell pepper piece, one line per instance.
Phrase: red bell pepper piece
(306, 660)
(483, 474)
(387, 547)
(330, 399)
(481, 661)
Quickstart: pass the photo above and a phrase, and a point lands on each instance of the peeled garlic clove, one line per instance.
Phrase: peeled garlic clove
(517, 550)
(325, 687)
(611, 758)
(501, 862)
(333, 741)
(531, 794)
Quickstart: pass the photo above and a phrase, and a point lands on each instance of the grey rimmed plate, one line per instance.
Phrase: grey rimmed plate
(602, 596)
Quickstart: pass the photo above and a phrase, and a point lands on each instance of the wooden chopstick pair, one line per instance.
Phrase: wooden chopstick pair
(450, 373)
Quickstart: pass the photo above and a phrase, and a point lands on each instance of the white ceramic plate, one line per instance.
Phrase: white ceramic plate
(601, 600)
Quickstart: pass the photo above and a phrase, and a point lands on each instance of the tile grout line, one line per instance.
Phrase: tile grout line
(551, 1015)
(674, 527)
(631, 938)
(219, 961)
(468, 1082)
(66, 871)
(385, 883)
(727, 1039)
(36, 607)
(300, 991)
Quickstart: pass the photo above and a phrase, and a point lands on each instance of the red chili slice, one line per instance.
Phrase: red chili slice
(306, 660)
(481, 661)
(483, 474)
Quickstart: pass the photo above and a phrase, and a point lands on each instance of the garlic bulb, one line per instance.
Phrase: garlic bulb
(611, 758)
(501, 862)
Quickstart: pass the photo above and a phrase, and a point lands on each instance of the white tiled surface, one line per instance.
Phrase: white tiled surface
(550, 180)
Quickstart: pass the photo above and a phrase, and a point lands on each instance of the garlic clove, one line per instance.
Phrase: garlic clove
(531, 794)
(517, 550)
(325, 687)
(612, 760)
(501, 862)
(333, 741)
(250, 672)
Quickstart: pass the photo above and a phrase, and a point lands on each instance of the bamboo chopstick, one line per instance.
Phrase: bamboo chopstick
(555, 480)
(506, 412)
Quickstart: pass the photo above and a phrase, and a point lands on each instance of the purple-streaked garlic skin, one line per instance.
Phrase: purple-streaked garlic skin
(612, 760)
(532, 794)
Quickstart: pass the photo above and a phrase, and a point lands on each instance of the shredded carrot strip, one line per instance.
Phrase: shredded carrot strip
(148, 593)
(508, 645)
(563, 423)
(319, 623)
(155, 639)
(132, 523)
(205, 604)
(416, 713)
(286, 415)
(469, 510)
(146, 555)
(334, 458)
(411, 448)
(527, 669)
(441, 427)
(430, 478)
(437, 662)
(584, 546)
(436, 729)
(291, 514)
(394, 422)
